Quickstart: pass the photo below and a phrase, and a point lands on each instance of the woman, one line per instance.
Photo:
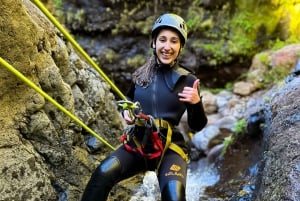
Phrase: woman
(165, 90)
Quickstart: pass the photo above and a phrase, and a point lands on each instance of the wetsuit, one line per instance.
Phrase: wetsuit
(159, 100)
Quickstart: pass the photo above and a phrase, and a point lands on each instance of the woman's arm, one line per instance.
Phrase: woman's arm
(196, 116)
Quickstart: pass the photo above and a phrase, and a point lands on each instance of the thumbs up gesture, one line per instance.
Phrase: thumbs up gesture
(190, 94)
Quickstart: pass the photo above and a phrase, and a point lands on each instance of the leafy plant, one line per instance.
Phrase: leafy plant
(239, 128)
(228, 141)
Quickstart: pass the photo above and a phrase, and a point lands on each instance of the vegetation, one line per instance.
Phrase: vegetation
(231, 32)
(58, 4)
(111, 56)
(234, 29)
(239, 128)
(275, 75)
(246, 32)
(136, 61)
(228, 86)
(58, 9)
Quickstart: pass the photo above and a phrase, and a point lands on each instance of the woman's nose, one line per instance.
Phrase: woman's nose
(167, 46)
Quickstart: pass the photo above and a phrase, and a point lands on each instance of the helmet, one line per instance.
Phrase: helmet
(173, 21)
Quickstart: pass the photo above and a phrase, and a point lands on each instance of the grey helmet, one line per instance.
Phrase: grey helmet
(173, 21)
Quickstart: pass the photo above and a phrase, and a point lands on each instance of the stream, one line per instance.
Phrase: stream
(233, 177)
(201, 174)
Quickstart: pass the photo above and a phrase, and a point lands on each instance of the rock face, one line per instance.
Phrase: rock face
(281, 174)
(43, 152)
(46, 156)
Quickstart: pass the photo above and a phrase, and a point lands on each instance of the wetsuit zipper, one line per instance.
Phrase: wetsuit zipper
(154, 97)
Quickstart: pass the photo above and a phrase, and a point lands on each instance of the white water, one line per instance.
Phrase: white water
(200, 175)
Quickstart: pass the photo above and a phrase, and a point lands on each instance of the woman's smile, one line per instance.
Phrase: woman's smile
(167, 46)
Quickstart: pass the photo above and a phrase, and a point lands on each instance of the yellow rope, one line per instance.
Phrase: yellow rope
(78, 47)
(55, 103)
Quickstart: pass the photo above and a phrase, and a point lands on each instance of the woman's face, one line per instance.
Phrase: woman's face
(167, 46)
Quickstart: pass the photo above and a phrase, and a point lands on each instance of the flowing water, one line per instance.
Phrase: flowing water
(232, 178)
(200, 175)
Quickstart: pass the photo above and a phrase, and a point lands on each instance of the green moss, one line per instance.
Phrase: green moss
(193, 23)
(247, 31)
(283, 21)
(278, 44)
(111, 56)
(275, 75)
(128, 23)
(215, 90)
(243, 31)
(218, 51)
(240, 29)
(264, 58)
(77, 17)
(229, 85)
(194, 17)
(272, 76)
(136, 61)
(58, 4)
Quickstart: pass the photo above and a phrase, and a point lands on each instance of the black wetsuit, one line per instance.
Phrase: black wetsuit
(160, 100)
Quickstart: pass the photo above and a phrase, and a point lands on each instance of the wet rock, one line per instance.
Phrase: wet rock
(222, 100)
(44, 156)
(254, 124)
(195, 154)
(282, 147)
(214, 153)
(209, 102)
(295, 72)
(243, 88)
(201, 139)
(286, 56)
(226, 122)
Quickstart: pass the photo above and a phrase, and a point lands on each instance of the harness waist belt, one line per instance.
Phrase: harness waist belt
(163, 123)
(160, 123)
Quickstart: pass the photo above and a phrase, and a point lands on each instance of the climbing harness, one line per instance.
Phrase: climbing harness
(151, 133)
(51, 100)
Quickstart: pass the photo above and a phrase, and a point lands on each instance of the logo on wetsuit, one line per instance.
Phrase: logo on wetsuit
(174, 171)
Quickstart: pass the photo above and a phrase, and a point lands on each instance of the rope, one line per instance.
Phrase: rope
(51, 100)
(78, 47)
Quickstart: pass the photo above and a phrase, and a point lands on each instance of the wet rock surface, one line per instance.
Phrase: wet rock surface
(282, 147)
(44, 154)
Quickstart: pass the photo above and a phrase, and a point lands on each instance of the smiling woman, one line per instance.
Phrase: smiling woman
(158, 146)
(167, 46)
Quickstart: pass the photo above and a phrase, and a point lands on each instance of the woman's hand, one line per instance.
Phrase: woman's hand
(190, 94)
(129, 118)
